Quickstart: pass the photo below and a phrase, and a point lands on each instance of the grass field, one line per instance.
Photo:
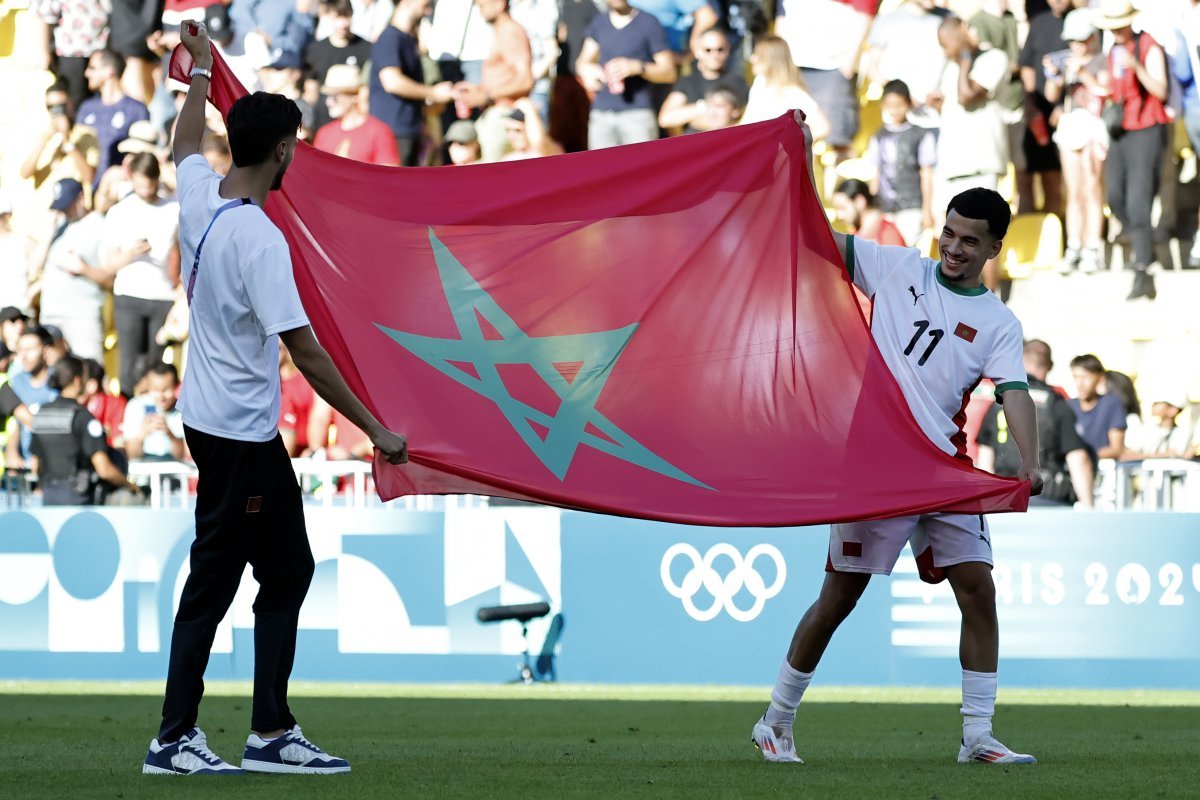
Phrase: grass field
(61, 740)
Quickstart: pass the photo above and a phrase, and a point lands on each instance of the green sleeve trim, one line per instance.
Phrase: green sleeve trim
(1001, 388)
(850, 257)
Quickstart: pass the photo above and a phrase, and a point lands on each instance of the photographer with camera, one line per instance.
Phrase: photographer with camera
(70, 454)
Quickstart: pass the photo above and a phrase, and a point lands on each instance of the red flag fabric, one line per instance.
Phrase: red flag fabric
(659, 331)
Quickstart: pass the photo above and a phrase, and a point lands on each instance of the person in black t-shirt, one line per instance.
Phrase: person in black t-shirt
(685, 106)
(69, 448)
(342, 47)
(1067, 469)
(1041, 115)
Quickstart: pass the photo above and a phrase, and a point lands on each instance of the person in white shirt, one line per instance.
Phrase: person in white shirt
(153, 425)
(778, 87)
(140, 250)
(940, 332)
(249, 509)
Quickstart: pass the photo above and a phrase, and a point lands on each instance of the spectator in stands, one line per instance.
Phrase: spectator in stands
(6, 357)
(459, 41)
(623, 53)
(58, 347)
(825, 38)
(65, 149)
(73, 279)
(1043, 41)
(685, 108)
(507, 77)
(153, 426)
(141, 249)
(1120, 386)
(68, 445)
(334, 437)
(78, 28)
(133, 25)
(31, 385)
(904, 157)
(973, 142)
(342, 46)
(105, 406)
(463, 143)
(903, 45)
(1100, 418)
(1067, 473)
(778, 86)
(398, 93)
(855, 207)
(14, 269)
(539, 20)
(997, 28)
(1138, 88)
(682, 21)
(1166, 439)
(276, 33)
(570, 102)
(295, 405)
(353, 133)
(1186, 68)
(217, 153)
(371, 17)
(1081, 138)
(723, 108)
(527, 135)
(111, 112)
(13, 322)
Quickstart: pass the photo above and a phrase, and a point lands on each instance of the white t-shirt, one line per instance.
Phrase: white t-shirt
(459, 31)
(67, 296)
(938, 340)
(808, 28)
(244, 296)
(133, 219)
(156, 445)
(975, 141)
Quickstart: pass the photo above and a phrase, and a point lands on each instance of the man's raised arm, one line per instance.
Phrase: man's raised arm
(189, 128)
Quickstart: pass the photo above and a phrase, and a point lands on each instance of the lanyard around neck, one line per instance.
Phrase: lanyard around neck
(191, 284)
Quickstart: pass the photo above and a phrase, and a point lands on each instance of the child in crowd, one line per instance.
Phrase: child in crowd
(722, 108)
(904, 156)
(1082, 140)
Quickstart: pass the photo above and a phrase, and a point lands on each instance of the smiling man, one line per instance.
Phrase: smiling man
(940, 332)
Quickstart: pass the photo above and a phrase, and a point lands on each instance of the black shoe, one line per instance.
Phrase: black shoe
(1143, 286)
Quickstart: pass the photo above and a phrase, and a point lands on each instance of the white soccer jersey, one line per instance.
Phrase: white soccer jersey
(938, 340)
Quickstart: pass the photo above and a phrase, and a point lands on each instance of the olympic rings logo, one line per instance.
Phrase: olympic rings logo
(723, 589)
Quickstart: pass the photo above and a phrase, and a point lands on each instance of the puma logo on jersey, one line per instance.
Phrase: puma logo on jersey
(913, 291)
(965, 331)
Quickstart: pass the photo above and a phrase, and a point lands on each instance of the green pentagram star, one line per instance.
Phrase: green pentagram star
(595, 353)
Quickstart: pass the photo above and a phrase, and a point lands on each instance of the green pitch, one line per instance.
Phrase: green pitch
(88, 740)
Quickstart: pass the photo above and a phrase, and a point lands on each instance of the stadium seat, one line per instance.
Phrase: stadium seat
(1034, 241)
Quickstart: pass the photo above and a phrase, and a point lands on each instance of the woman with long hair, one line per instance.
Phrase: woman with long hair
(778, 87)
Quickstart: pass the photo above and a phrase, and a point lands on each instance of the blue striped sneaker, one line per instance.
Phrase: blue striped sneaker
(290, 753)
(188, 756)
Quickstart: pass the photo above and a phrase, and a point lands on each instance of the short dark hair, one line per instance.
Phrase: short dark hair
(162, 368)
(854, 188)
(718, 28)
(339, 8)
(984, 204)
(1038, 351)
(59, 85)
(730, 96)
(65, 371)
(112, 59)
(41, 333)
(146, 165)
(1121, 387)
(1088, 362)
(256, 123)
(898, 88)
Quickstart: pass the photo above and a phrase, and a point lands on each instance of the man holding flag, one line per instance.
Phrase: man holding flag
(940, 332)
(249, 509)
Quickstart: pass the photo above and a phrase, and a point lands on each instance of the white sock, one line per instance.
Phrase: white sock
(979, 704)
(786, 696)
(1073, 245)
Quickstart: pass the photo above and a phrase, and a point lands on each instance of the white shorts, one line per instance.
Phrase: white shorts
(938, 541)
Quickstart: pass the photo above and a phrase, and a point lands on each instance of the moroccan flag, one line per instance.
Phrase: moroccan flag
(660, 331)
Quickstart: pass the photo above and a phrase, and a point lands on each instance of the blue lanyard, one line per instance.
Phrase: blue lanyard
(191, 285)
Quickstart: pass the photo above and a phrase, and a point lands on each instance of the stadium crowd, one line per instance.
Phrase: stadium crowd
(1070, 109)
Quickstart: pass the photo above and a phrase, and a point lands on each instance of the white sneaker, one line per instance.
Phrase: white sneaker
(1070, 260)
(989, 751)
(188, 756)
(775, 742)
(1091, 261)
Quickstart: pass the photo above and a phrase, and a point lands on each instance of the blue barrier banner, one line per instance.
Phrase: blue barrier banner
(1085, 600)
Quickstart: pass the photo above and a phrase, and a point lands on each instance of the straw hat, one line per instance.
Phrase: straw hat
(342, 78)
(1114, 15)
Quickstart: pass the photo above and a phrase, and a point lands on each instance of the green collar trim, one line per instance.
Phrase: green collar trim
(978, 290)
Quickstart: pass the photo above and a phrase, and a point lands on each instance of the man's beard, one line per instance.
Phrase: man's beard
(277, 184)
